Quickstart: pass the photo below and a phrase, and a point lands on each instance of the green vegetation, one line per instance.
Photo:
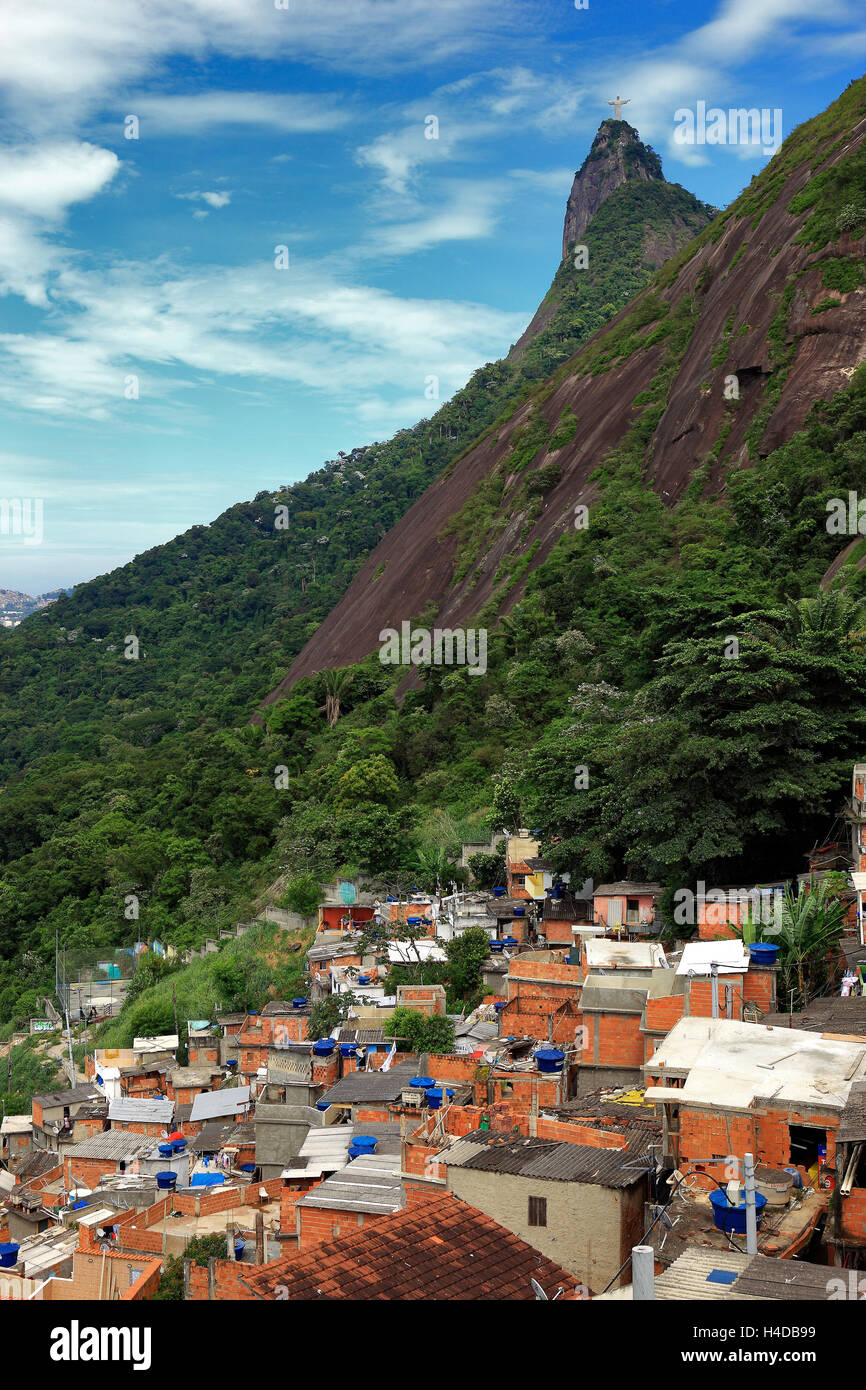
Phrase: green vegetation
(199, 1250)
(415, 1032)
(266, 963)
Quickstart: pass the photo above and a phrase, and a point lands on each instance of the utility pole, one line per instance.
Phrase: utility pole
(751, 1206)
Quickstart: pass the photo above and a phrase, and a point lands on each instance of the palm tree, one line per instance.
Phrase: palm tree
(806, 927)
(336, 685)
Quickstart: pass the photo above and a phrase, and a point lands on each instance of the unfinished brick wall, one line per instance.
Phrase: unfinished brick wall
(709, 1138)
(759, 986)
(316, 1224)
(620, 1041)
(227, 1278)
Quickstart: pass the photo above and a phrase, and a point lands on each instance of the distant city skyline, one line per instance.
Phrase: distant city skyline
(236, 240)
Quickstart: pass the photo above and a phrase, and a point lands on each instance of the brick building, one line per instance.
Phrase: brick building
(725, 1088)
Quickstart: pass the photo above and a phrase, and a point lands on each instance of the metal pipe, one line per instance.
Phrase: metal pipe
(751, 1206)
(643, 1273)
(714, 985)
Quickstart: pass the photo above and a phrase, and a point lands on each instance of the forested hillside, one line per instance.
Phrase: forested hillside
(140, 774)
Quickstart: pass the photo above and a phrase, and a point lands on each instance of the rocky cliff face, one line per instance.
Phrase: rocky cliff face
(617, 154)
(760, 316)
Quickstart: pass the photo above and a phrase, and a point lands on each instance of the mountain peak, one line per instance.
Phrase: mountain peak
(617, 154)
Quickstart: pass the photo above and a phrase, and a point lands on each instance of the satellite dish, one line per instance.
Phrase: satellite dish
(540, 1295)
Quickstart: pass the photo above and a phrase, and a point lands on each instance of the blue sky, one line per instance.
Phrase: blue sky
(148, 264)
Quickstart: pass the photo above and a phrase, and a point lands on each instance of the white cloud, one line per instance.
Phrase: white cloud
(38, 184)
(304, 327)
(213, 200)
(44, 180)
(59, 61)
(203, 112)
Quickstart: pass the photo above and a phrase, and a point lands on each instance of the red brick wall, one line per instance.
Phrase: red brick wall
(316, 1224)
(620, 1041)
(709, 1137)
(853, 1213)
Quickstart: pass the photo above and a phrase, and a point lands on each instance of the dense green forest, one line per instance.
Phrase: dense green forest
(615, 718)
(139, 775)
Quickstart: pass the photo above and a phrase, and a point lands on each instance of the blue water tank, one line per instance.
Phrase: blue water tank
(364, 979)
(8, 1254)
(520, 912)
(413, 921)
(166, 1181)
(348, 1049)
(232, 1062)
(733, 1219)
(324, 1047)
(508, 941)
(239, 1249)
(496, 946)
(323, 1105)
(499, 892)
(179, 1146)
(362, 1144)
(500, 1005)
(165, 1150)
(549, 1059)
(422, 1083)
(299, 1003)
(762, 953)
(435, 1095)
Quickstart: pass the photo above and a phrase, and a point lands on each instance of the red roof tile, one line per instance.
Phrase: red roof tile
(445, 1249)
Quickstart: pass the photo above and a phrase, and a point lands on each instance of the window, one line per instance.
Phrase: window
(632, 909)
(538, 1211)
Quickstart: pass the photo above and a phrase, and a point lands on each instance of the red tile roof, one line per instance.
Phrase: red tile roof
(443, 1249)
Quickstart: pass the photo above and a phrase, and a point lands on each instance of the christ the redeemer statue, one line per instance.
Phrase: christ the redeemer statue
(618, 103)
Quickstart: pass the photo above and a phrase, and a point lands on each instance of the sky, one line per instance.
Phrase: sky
(237, 236)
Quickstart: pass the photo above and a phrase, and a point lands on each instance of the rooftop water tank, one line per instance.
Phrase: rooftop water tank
(324, 1047)
(8, 1254)
(232, 1062)
(496, 946)
(762, 953)
(348, 1049)
(363, 979)
(549, 1059)
(413, 921)
(362, 1144)
(499, 892)
(298, 1003)
(422, 1083)
(510, 941)
(166, 1181)
(165, 1150)
(520, 912)
(323, 1105)
(239, 1249)
(435, 1094)
(732, 1220)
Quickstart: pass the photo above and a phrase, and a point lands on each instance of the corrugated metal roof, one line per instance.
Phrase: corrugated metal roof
(536, 1158)
(156, 1111)
(689, 1275)
(114, 1144)
(368, 1184)
(208, 1105)
(49, 1100)
(758, 1277)
(852, 1125)
(371, 1085)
